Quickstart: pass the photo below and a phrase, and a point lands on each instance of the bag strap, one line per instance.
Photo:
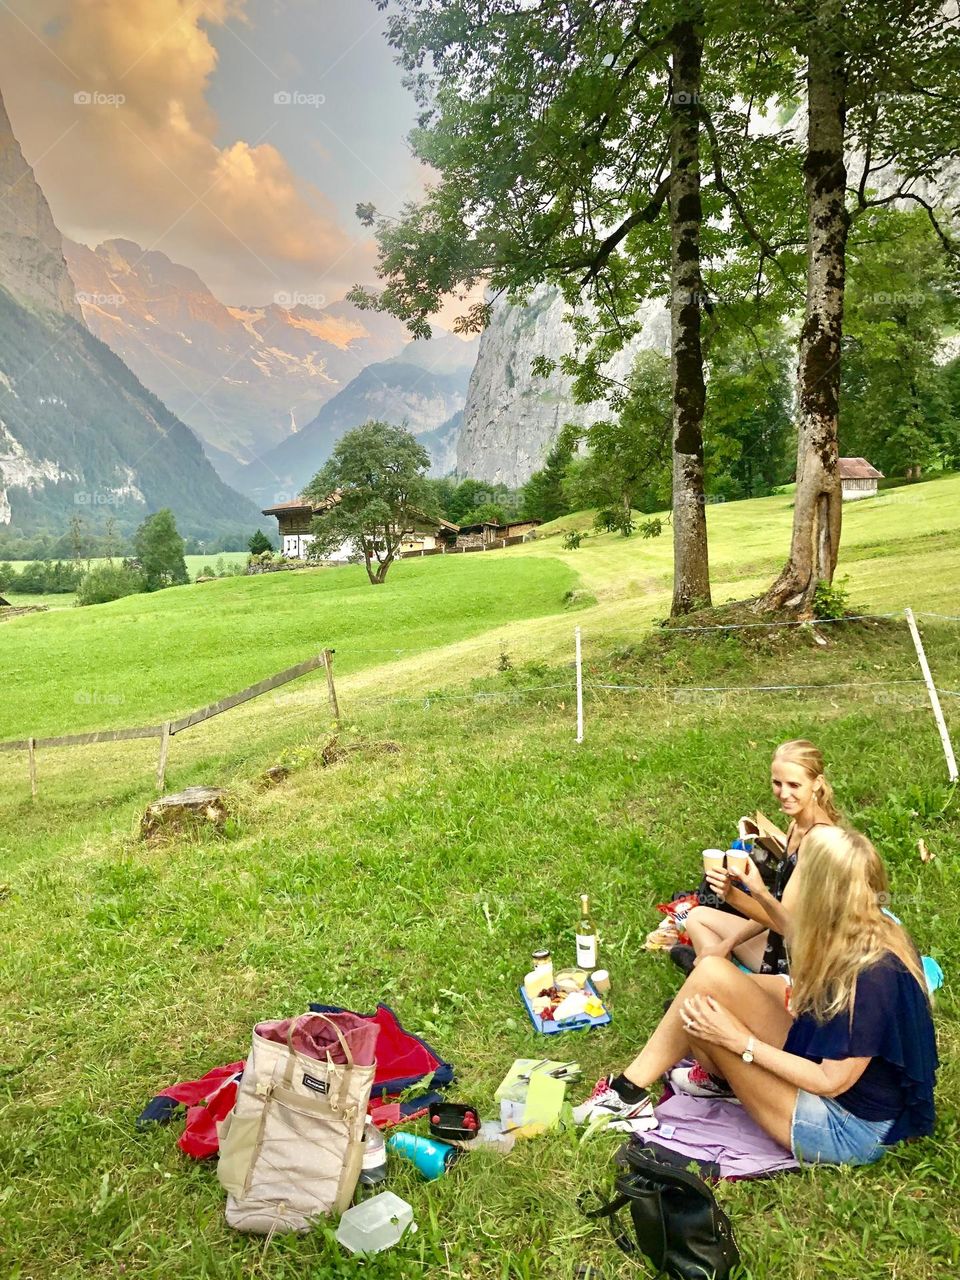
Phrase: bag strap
(608, 1210)
(331, 1065)
(639, 1162)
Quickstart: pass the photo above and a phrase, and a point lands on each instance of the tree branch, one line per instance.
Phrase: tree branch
(649, 213)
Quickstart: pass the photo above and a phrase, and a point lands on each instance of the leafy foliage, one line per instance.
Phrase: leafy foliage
(105, 582)
(159, 549)
(831, 601)
(259, 542)
(380, 475)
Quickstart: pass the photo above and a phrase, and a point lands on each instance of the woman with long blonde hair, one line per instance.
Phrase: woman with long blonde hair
(754, 935)
(847, 1069)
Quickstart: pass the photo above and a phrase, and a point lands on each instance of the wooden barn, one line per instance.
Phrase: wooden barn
(858, 478)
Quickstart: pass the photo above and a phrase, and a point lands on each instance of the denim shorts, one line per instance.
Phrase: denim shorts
(824, 1132)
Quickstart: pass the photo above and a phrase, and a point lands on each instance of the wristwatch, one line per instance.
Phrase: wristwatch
(747, 1054)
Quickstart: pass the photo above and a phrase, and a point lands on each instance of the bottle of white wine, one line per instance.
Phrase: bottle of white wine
(586, 937)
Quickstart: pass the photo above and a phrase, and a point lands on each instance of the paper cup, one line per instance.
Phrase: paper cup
(713, 859)
(600, 980)
(737, 861)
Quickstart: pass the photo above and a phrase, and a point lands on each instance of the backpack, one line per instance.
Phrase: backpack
(292, 1147)
(676, 1219)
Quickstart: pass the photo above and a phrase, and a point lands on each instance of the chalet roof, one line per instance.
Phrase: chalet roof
(4, 602)
(858, 469)
(334, 499)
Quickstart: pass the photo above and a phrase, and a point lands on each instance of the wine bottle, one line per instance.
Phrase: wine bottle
(586, 937)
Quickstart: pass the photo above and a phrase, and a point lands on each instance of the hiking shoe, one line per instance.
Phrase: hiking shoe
(605, 1101)
(683, 956)
(700, 1083)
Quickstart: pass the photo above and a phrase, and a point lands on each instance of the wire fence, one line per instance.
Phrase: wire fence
(925, 690)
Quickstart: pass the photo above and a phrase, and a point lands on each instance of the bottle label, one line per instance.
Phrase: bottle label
(586, 950)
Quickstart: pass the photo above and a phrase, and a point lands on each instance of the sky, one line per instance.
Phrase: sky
(236, 136)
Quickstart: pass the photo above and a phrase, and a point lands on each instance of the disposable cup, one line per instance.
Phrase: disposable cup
(737, 861)
(601, 981)
(713, 859)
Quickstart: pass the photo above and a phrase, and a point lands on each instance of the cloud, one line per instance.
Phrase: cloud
(110, 101)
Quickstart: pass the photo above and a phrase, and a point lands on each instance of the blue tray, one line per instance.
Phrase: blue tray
(551, 1028)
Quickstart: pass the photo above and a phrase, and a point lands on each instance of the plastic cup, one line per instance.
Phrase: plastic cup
(713, 860)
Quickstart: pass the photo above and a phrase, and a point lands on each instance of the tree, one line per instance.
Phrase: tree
(159, 548)
(895, 407)
(259, 542)
(561, 132)
(628, 460)
(542, 497)
(751, 447)
(105, 582)
(487, 512)
(375, 490)
(871, 76)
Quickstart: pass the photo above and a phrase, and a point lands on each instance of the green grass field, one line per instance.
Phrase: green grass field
(425, 877)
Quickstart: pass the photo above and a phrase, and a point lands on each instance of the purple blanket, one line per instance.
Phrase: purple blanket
(716, 1131)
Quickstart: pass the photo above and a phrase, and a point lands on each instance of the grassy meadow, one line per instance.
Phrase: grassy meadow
(425, 876)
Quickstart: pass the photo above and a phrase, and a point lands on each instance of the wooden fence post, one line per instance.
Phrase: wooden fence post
(164, 747)
(579, 665)
(952, 772)
(32, 761)
(331, 688)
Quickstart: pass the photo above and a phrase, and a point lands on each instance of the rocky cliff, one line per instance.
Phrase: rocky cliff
(79, 434)
(511, 416)
(32, 266)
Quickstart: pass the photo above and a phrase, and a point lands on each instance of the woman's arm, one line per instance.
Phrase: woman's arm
(716, 1025)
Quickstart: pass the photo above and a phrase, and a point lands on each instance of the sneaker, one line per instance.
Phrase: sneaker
(606, 1102)
(683, 956)
(700, 1083)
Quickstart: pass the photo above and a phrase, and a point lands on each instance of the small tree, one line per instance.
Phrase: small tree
(376, 490)
(259, 542)
(105, 582)
(159, 548)
(492, 512)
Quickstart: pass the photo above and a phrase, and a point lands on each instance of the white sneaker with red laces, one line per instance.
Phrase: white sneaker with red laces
(606, 1102)
(700, 1083)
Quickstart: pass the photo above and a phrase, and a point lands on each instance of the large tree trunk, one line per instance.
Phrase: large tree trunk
(816, 514)
(691, 569)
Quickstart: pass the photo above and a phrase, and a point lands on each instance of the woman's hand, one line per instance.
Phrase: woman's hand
(752, 878)
(707, 1020)
(720, 882)
(722, 948)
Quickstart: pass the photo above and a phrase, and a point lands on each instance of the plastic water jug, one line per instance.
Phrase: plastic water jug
(375, 1224)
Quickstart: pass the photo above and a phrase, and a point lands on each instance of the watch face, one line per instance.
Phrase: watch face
(747, 1056)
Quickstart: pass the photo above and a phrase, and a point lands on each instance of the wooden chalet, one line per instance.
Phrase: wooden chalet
(858, 478)
(295, 518)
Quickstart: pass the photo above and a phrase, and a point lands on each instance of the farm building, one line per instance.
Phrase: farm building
(294, 520)
(493, 534)
(858, 478)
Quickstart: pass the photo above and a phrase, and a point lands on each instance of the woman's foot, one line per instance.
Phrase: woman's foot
(615, 1097)
(700, 1083)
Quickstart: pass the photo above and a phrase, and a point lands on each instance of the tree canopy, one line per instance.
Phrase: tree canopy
(375, 490)
(159, 548)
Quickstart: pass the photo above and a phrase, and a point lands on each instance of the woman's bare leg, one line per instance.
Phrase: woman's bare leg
(707, 925)
(758, 1003)
(767, 1098)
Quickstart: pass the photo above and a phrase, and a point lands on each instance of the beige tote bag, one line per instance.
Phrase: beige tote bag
(291, 1148)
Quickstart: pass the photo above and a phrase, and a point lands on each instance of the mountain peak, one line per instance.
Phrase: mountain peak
(32, 267)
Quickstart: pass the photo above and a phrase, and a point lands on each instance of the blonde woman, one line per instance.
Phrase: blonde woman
(755, 935)
(849, 1069)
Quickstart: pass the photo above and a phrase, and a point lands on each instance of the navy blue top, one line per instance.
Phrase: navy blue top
(892, 1026)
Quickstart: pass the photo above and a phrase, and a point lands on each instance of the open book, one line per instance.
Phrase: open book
(762, 832)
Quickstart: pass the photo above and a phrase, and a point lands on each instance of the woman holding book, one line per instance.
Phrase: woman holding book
(755, 935)
(847, 1070)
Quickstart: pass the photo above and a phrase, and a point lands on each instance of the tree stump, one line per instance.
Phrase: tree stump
(190, 808)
